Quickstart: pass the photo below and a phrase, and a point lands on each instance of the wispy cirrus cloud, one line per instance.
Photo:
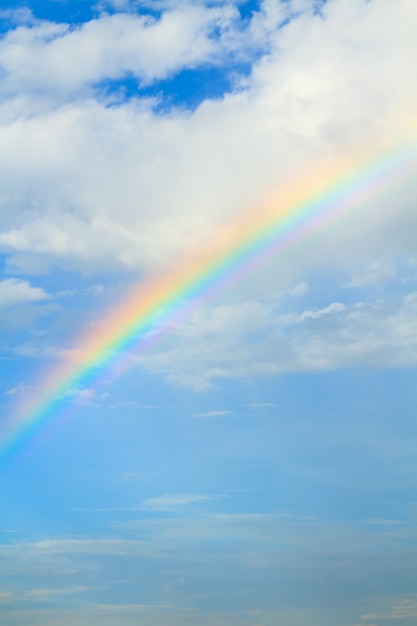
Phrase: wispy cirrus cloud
(405, 608)
(49, 594)
(166, 502)
(208, 414)
(170, 502)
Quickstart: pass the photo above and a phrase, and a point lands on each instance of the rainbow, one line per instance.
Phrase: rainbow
(327, 194)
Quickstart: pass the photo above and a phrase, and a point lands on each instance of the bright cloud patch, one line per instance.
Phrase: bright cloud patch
(168, 502)
(58, 58)
(14, 291)
(252, 339)
(93, 196)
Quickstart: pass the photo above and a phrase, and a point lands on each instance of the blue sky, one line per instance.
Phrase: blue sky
(257, 466)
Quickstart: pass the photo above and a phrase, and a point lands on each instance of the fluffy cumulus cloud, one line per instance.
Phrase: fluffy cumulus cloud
(94, 180)
(45, 57)
(118, 183)
(14, 291)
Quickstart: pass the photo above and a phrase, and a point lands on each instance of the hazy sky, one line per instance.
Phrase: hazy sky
(255, 463)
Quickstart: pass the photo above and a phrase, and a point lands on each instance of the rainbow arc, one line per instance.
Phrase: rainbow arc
(327, 195)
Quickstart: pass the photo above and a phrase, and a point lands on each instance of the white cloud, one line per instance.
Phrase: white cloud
(133, 404)
(170, 502)
(254, 340)
(82, 546)
(376, 272)
(161, 535)
(14, 17)
(210, 550)
(213, 414)
(378, 522)
(405, 607)
(121, 187)
(63, 59)
(335, 307)
(300, 289)
(85, 396)
(21, 389)
(47, 594)
(260, 405)
(14, 291)
(167, 502)
(160, 614)
(6, 597)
